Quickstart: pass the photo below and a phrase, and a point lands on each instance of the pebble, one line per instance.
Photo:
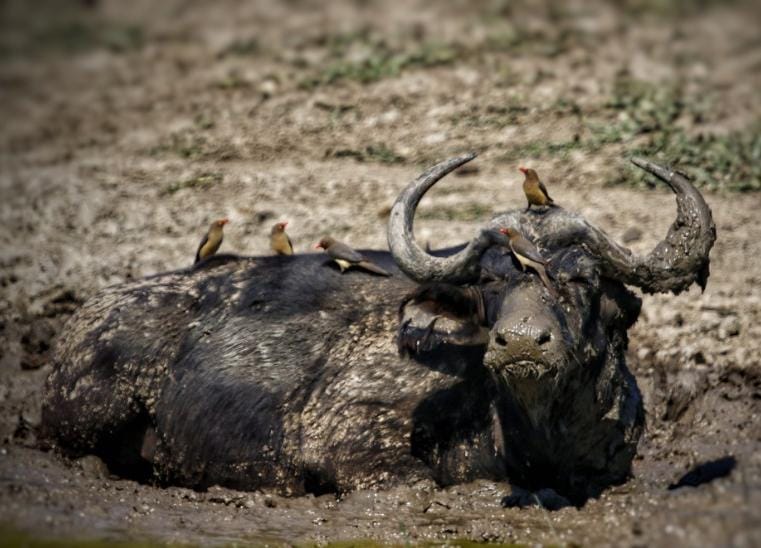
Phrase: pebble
(435, 138)
(268, 88)
(709, 321)
(632, 234)
(93, 467)
(729, 327)
(693, 352)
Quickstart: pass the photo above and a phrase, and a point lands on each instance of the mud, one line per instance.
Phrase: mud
(128, 127)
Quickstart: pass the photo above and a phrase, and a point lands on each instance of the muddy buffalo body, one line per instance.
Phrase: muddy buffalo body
(281, 372)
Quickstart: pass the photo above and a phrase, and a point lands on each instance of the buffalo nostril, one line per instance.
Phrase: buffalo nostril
(542, 337)
(500, 340)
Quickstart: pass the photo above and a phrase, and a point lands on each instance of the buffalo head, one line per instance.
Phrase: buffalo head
(571, 412)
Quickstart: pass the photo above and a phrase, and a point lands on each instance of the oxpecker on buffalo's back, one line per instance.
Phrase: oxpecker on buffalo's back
(280, 243)
(346, 257)
(211, 240)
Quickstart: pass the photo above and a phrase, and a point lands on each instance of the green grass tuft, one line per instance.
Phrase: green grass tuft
(69, 36)
(380, 153)
(377, 61)
(202, 180)
(650, 120)
(729, 162)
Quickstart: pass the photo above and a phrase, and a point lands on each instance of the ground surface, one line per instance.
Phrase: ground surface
(128, 127)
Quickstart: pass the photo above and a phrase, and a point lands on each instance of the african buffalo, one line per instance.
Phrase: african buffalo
(282, 372)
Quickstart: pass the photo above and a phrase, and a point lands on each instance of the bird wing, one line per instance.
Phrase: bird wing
(372, 267)
(340, 250)
(544, 189)
(290, 243)
(525, 248)
(200, 246)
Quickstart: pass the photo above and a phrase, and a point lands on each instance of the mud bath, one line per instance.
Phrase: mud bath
(126, 125)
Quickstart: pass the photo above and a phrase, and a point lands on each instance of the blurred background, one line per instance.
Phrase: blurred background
(126, 127)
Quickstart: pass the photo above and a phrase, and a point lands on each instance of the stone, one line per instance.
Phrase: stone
(729, 327)
(632, 234)
(93, 467)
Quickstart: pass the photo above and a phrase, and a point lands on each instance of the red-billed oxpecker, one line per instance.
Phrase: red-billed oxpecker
(280, 243)
(211, 240)
(528, 255)
(536, 192)
(346, 257)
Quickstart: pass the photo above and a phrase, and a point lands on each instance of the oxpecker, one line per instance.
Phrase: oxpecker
(536, 192)
(528, 255)
(211, 240)
(346, 257)
(280, 243)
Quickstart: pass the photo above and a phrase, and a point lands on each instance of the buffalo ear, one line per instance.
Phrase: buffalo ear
(436, 315)
(618, 305)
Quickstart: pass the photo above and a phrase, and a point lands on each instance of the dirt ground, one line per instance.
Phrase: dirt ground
(128, 126)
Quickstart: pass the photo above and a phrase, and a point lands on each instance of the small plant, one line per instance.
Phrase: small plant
(247, 46)
(378, 60)
(192, 144)
(381, 153)
(70, 36)
(718, 162)
(459, 212)
(203, 180)
(371, 153)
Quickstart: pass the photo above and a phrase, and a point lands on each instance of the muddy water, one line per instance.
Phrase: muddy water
(78, 500)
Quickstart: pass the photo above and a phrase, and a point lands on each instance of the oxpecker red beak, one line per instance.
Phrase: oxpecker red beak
(523, 169)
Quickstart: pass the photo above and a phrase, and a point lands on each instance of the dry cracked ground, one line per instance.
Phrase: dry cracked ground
(128, 126)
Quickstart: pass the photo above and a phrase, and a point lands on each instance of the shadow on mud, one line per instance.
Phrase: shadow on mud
(706, 472)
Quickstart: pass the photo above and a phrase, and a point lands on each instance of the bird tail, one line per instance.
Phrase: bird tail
(551, 202)
(546, 281)
(372, 267)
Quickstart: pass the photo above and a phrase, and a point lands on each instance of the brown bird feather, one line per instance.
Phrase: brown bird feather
(536, 192)
(347, 257)
(212, 240)
(280, 243)
(528, 255)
